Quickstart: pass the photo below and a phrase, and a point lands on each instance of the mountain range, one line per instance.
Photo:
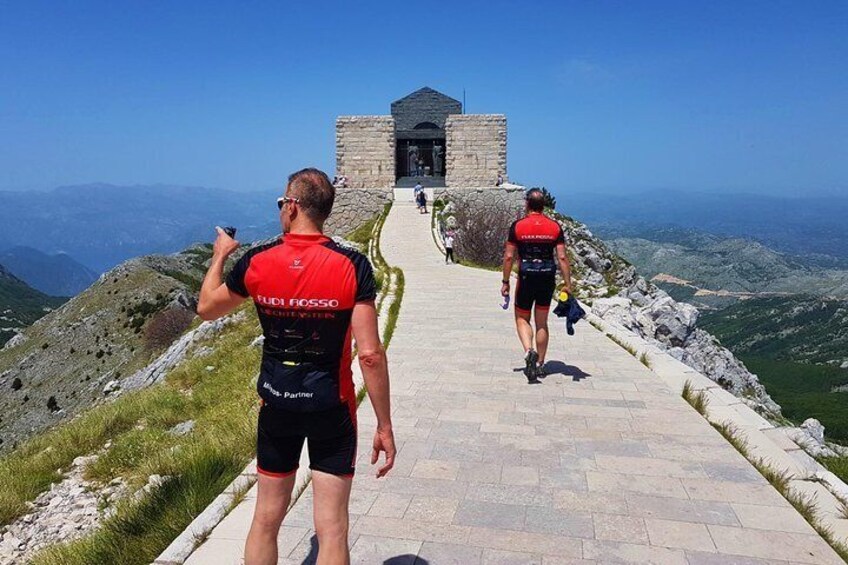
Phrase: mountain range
(713, 271)
(100, 225)
(56, 275)
(811, 227)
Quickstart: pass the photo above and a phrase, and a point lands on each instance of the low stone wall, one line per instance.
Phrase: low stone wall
(476, 149)
(354, 207)
(365, 150)
(484, 200)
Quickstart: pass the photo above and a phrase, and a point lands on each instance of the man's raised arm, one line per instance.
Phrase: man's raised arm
(375, 371)
(216, 299)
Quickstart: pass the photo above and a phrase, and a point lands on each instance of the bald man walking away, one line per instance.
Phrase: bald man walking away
(310, 295)
(538, 243)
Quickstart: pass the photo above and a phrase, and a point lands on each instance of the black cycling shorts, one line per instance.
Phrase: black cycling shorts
(535, 289)
(331, 435)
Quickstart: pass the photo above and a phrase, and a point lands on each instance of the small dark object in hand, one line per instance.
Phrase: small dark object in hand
(230, 231)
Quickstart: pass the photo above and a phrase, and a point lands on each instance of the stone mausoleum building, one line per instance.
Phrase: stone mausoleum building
(428, 139)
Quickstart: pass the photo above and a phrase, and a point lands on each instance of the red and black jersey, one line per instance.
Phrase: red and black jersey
(536, 237)
(304, 288)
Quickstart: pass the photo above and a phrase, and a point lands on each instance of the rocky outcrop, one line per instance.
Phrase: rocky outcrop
(67, 511)
(156, 371)
(618, 294)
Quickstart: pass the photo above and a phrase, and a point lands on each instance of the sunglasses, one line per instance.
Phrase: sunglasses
(286, 200)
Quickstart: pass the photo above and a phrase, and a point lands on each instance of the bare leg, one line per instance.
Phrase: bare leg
(271, 504)
(541, 320)
(525, 330)
(332, 494)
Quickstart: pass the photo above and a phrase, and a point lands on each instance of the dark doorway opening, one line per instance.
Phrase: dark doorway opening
(420, 158)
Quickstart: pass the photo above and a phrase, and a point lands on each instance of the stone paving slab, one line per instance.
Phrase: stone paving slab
(602, 462)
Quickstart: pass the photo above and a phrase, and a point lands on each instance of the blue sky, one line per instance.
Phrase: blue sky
(600, 96)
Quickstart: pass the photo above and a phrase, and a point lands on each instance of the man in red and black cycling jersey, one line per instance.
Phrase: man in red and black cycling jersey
(540, 245)
(311, 296)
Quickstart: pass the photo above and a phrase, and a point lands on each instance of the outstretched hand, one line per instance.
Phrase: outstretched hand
(384, 440)
(224, 244)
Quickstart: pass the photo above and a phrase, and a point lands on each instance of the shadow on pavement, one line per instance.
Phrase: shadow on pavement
(559, 368)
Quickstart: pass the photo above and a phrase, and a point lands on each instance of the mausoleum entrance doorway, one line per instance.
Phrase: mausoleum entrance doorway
(423, 158)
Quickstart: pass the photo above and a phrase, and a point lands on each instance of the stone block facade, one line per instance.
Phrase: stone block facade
(365, 150)
(476, 149)
(353, 207)
(483, 201)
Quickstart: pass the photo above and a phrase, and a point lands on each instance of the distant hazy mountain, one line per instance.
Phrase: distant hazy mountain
(101, 225)
(808, 227)
(20, 304)
(56, 275)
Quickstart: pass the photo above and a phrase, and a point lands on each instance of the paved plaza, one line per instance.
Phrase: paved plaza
(600, 463)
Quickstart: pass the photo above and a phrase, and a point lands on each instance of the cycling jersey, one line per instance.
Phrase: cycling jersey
(536, 237)
(304, 288)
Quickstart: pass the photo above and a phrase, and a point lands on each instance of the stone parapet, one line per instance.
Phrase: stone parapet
(484, 200)
(365, 150)
(476, 149)
(355, 206)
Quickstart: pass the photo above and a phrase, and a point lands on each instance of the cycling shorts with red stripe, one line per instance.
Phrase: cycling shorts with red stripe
(331, 434)
(534, 288)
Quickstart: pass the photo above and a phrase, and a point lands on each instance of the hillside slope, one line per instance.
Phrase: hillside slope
(20, 305)
(801, 329)
(62, 363)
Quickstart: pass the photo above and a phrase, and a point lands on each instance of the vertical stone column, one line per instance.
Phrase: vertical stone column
(365, 150)
(476, 149)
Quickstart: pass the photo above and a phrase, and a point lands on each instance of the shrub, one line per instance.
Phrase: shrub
(165, 327)
(481, 236)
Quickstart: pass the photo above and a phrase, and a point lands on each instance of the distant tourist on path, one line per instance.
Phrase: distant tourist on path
(539, 243)
(422, 201)
(449, 235)
(499, 181)
(303, 284)
(416, 193)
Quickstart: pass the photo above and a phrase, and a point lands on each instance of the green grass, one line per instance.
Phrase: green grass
(394, 308)
(838, 466)
(629, 349)
(202, 463)
(804, 391)
(698, 400)
(363, 234)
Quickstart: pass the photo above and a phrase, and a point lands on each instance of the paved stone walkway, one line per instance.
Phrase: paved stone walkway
(600, 463)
